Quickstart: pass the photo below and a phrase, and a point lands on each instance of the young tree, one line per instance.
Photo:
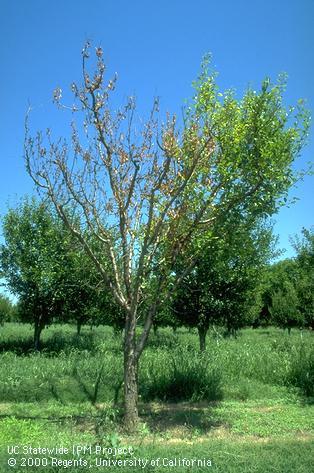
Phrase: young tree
(137, 187)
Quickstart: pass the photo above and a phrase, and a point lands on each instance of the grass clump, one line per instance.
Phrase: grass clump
(301, 372)
(183, 375)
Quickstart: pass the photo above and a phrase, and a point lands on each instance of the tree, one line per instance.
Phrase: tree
(84, 302)
(42, 266)
(137, 187)
(220, 289)
(284, 308)
(305, 282)
(280, 295)
(6, 309)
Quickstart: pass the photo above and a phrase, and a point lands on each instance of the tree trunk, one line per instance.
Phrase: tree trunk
(37, 333)
(131, 418)
(133, 349)
(202, 332)
(78, 327)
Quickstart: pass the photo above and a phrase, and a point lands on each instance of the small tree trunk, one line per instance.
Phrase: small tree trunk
(202, 332)
(37, 333)
(78, 327)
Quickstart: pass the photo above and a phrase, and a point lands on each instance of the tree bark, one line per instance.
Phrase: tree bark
(131, 418)
(133, 349)
(202, 332)
(131, 357)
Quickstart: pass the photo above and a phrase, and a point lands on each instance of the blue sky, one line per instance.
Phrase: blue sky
(156, 48)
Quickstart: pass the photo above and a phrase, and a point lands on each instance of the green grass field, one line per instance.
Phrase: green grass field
(245, 405)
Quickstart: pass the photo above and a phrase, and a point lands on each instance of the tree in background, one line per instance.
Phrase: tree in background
(32, 261)
(287, 290)
(138, 187)
(44, 268)
(221, 288)
(304, 247)
(6, 309)
(280, 295)
(84, 300)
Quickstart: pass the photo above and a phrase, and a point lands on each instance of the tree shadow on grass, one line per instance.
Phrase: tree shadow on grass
(181, 417)
(54, 345)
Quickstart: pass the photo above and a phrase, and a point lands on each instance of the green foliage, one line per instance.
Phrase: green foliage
(7, 310)
(34, 260)
(287, 289)
(221, 288)
(305, 278)
(284, 309)
(272, 429)
(258, 140)
(44, 266)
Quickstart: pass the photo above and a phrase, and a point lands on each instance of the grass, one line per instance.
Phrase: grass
(245, 404)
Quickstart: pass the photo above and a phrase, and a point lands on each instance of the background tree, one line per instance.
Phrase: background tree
(84, 300)
(42, 266)
(6, 309)
(304, 247)
(220, 289)
(133, 187)
(288, 289)
(280, 295)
